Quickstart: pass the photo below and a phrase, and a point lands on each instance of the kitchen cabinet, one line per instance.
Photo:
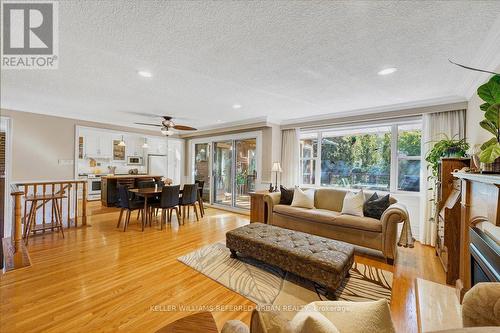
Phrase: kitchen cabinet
(98, 145)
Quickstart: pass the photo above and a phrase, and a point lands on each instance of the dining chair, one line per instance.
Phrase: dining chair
(169, 202)
(189, 199)
(151, 201)
(127, 204)
(201, 184)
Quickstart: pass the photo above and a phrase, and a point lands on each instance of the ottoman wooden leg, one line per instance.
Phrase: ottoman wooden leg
(233, 254)
(330, 294)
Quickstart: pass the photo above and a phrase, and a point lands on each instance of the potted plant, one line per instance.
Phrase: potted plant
(490, 150)
(447, 147)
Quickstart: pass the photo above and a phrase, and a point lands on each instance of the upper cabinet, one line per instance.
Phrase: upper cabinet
(98, 145)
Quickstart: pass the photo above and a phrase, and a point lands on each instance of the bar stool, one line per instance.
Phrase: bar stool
(30, 225)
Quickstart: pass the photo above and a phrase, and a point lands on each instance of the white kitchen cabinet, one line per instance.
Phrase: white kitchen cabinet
(175, 159)
(98, 145)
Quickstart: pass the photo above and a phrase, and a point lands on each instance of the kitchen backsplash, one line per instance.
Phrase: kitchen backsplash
(84, 167)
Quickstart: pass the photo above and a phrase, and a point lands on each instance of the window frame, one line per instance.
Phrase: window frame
(395, 156)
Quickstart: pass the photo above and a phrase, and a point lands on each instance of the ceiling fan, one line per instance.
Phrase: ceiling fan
(167, 124)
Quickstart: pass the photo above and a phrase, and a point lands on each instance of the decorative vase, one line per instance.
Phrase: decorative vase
(491, 167)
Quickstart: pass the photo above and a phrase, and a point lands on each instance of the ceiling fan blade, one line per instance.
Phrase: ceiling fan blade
(146, 124)
(144, 114)
(184, 128)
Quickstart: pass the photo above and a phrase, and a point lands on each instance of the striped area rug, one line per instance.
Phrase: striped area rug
(268, 285)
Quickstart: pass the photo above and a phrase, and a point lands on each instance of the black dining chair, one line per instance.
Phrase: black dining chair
(153, 200)
(169, 202)
(201, 184)
(127, 204)
(189, 199)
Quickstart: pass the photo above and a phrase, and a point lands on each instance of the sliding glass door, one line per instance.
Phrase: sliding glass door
(246, 171)
(202, 167)
(223, 172)
(229, 169)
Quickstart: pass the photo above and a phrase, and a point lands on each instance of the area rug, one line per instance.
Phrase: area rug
(269, 285)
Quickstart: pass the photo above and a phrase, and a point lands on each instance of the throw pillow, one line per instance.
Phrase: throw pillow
(376, 206)
(304, 199)
(353, 203)
(286, 197)
(312, 322)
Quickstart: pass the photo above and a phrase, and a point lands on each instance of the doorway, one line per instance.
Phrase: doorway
(228, 166)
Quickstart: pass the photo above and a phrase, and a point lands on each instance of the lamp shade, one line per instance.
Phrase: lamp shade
(276, 167)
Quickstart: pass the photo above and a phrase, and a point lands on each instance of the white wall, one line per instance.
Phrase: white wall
(476, 134)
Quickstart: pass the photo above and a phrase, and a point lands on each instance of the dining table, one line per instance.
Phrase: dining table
(147, 193)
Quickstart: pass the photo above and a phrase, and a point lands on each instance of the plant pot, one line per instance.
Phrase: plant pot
(454, 152)
(491, 167)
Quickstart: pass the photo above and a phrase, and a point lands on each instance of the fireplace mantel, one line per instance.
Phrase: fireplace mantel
(480, 204)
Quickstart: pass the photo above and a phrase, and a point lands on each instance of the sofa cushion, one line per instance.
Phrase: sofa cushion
(330, 217)
(353, 203)
(329, 198)
(314, 215)
(286, 197)
(358, 222)
(312, 322)
(375, 206)
(302, 198)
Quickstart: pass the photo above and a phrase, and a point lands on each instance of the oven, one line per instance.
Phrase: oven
(94, 187)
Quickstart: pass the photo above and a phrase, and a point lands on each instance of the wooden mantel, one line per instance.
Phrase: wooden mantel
(480, 203)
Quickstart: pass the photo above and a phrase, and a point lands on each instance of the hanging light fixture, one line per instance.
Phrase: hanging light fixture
(122, 143)
(166, 131)
(145, 144)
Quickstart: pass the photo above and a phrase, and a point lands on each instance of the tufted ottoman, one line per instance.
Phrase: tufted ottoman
(322, 260)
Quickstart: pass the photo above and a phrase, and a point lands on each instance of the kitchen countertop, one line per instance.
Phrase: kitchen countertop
(129, 176)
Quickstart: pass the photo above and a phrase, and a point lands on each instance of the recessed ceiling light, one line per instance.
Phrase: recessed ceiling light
(387, 71)
(218, 120)
(145, 73)
(236, 106)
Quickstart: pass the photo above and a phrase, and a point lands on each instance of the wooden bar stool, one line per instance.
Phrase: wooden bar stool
(39, 201)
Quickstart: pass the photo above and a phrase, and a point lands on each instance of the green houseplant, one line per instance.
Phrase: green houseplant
(490, 94)
(447, 147)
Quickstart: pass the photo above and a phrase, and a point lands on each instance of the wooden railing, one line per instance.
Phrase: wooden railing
(68, 187)
(16, 255)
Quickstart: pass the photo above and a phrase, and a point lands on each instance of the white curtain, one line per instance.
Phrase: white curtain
(290, 157)
(451, 123)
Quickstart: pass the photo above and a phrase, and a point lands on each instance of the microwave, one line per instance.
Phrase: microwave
(134, 160)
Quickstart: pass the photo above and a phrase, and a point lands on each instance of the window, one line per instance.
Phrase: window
(308, 156)
(380, 158)
(409, 145)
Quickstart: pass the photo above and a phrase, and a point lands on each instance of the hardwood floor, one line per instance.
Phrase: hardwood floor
(100, 279)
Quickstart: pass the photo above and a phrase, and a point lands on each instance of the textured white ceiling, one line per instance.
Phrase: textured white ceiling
(280, 60)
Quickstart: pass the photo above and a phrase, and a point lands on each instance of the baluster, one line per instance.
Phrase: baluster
(44, 190)
(76, 205)
(84, 204)
(52, 205)
(25, 205)
(36, 208)
(69, 205)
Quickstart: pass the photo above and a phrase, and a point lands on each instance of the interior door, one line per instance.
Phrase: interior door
(223, 172)
(202, 167)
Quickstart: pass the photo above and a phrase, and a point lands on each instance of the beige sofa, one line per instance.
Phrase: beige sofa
(325, 220)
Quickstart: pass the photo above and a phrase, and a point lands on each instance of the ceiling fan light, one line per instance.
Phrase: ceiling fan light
(164, 130)
(121, 143)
